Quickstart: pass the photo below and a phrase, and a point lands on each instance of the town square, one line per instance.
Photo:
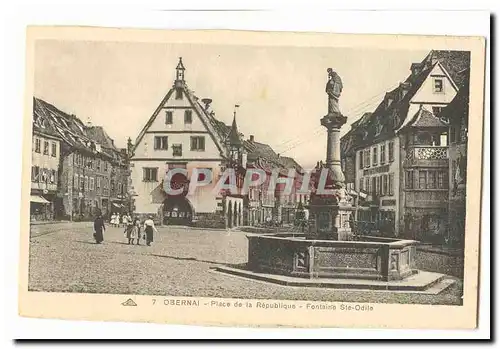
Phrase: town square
(144, 187)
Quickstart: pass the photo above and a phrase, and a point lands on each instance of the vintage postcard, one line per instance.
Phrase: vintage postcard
(237, 178)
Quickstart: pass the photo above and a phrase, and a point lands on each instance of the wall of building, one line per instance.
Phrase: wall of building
(45, 159)
(150, 196)
(387, 202)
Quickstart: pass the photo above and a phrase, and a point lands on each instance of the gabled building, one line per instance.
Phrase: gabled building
(45, 156)
(183, 133)
(86, 158)
(401, 151)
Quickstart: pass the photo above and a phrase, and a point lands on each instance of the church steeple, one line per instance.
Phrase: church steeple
(233, 140)
(180, 71)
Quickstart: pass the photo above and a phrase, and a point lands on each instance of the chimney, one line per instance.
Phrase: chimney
(252, 138)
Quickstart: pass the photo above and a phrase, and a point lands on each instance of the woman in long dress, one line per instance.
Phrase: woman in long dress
(99, 228)
(149, 228)
(132, 231)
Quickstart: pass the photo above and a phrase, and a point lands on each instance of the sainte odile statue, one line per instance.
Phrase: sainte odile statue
(333, 90)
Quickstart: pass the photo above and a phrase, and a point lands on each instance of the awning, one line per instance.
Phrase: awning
(117, 205)
(39, 199)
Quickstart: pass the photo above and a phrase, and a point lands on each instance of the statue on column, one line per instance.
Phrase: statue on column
(333, 90)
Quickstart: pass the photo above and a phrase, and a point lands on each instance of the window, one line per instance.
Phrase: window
(442, 180)
(169, 118)
(91, 184)
(391, 183)
(409, 179)
(422, 179)
(188, 116)
(150, 174)
(45, 147)
(53, 177)
(112, 185)
(367, 185)
(161, 142)
(374, 186)
(391, 151)
(37, 145)
(384, 185)
(86, 183)
(82, 183)
(198, 143)
(75, 181)
(438, 85)
(375, 156)
(437, 111)
(119, 188)
(431, 180)
(177, 149)
(360, 159)
(98, 164)
(361, 182)
(105, 166)
(367, 157)
(54, 149)
(35, 173)
(178, 93)
(443, 139)
(382, 154)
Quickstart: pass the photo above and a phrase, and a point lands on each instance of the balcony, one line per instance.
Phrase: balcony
(44, 186)
(427, 156)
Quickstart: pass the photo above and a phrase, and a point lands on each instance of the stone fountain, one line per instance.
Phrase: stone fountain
(329, 250)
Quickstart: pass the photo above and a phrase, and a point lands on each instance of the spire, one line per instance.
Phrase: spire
(234, 136)
(180, 71)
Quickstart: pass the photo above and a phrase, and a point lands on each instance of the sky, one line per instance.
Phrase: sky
(280, 90)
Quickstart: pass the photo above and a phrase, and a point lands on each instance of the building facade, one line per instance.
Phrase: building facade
(45, 157)
(401, 154)
(457, 112)
(85, 166)
(183, 133)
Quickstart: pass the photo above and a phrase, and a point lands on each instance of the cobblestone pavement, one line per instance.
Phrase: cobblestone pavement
(64, 258)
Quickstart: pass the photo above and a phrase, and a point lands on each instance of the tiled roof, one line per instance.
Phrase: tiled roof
(289, 162)
(98, 134)
(424, 118)
(458, 109)
(68, 128)
(366, 130)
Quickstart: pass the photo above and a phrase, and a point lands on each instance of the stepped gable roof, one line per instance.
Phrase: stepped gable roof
(425, 118)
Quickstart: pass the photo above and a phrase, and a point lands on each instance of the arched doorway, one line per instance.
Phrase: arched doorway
(229, 214)
(177, 210)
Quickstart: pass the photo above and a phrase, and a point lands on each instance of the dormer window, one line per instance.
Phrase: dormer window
(389, 102)
(438, 85)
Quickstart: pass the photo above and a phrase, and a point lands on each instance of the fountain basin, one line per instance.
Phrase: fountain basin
(369, 258)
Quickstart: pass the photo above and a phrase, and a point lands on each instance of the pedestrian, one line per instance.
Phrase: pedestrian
(137, 226)
(131, 231)
(99, 228)
(149, 228)
(125, 219)
(113, 219)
